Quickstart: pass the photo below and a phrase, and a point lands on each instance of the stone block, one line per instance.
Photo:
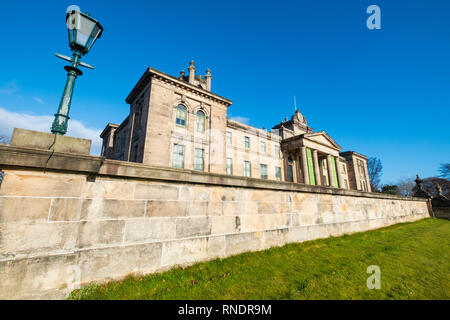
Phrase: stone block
(93, 209)
(215, 208)
(114, 263)
(18, 239)
(110, 189)
(232, 208)
(184, 251)
(193, 227)
(100, 233)
(24, 209)
(198, 208)
(166, 208)
(49, 141)
(37, 278)
(65, 209)
(225, 224)
(216, 246)
(150, 229)
(156, 191)
(40, 184)
(265, 207)
(238, 243)
(272, 238)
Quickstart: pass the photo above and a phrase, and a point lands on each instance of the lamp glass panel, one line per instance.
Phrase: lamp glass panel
(84, 31)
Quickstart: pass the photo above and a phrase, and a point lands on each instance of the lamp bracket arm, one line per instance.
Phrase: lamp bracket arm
(71, 60)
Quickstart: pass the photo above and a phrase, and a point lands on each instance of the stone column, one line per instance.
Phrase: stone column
(330, 171)
(316, 168)
(339, 173)
(305, 166)
(300, 175)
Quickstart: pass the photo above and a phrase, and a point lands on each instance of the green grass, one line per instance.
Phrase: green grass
(414, 259)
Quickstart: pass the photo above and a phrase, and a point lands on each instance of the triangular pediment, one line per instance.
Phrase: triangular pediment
(323, 138)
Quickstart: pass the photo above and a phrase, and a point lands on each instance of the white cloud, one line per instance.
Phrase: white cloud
(38, 100)
(10, 89)
(10, 120)
(240, 119)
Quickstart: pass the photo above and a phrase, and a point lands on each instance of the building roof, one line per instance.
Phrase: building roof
(108, 128)
(150, 72)
(348, 153)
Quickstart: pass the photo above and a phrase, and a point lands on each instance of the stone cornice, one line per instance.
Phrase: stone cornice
(153, 73)
(34, 159)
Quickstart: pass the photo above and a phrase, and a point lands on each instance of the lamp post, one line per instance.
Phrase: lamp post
(83, 32)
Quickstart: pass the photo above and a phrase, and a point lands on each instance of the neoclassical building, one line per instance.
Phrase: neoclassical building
(179, 122)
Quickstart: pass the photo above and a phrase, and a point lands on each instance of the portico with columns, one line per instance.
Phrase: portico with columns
(313, 158)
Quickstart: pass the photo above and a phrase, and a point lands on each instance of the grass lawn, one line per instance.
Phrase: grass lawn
(414, 259)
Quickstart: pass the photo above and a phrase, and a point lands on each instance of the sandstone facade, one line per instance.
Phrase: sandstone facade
(181, 123)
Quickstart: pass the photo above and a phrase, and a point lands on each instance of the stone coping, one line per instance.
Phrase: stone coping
(26, 158)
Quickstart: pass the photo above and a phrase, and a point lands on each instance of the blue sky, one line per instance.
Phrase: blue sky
(383, 93)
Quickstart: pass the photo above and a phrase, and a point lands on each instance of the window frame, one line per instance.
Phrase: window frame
(261, 144)
(249, 169)
(175, 147)
(261, 166)
(185, 110)
(197, 117)
(246, 142)
(278, 173)
(202, 159)
(229, 165)
(229, 138)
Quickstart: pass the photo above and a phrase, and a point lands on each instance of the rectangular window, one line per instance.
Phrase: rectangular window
(262, 147)
(278, 173)
(343, 168)
(229, 138)
(247, 169)
(346, 183)
(229, 166)
(263, 171)
(247, 142)
(198, 159)
(178, 156)
(277, 150)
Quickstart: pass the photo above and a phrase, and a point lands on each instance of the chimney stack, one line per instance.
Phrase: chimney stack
(208, 80)
(191, 69)
(181, 77)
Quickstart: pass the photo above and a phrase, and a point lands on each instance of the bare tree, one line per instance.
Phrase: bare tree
(375, 172)
(445, 170)
(405, 187)
(429, 185)
(4, 139)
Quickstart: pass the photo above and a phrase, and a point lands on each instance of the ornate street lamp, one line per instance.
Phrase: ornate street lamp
(83, 31)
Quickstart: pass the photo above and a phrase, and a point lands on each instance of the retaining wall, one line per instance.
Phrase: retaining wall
(67, 220)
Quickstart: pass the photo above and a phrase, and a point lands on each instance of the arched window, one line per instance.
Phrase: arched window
(181, 115)
(200, 121)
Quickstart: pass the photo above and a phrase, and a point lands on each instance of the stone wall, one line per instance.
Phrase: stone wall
(67, 220)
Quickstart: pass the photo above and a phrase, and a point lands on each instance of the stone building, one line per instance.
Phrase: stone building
(180, 123)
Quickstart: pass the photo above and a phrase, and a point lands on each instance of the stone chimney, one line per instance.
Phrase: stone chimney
(181, 77)
(208, 80)
(191, 69)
